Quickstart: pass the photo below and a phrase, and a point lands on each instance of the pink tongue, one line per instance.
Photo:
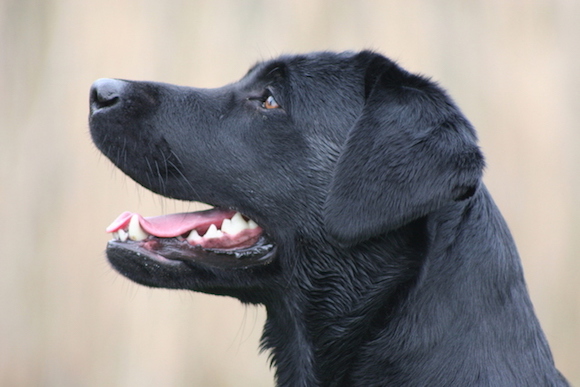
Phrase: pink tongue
(173, 225)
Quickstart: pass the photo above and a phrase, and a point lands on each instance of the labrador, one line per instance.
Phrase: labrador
(347, 199)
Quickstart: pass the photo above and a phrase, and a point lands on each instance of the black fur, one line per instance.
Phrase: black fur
(392, 265)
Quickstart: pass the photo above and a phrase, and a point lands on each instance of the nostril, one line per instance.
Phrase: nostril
(104, 100)
(106, 92)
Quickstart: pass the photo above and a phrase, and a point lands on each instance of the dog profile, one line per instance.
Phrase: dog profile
(348, 200)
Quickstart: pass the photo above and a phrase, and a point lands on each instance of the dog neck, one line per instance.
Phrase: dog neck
(381, 308)
(340, 305)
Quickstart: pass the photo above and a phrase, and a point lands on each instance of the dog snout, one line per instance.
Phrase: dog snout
(105, 93)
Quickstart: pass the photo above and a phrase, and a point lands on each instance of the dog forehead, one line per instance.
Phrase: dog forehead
(317, 66)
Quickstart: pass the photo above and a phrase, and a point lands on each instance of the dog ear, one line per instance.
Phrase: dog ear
(410, 152)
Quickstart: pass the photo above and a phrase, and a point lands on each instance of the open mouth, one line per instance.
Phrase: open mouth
(215, 237)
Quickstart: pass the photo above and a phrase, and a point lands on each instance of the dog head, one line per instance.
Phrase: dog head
(322, 150)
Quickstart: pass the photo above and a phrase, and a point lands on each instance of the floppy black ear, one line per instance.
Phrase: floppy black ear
(410, 152)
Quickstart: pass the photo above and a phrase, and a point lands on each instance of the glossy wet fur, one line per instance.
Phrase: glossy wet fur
(392, 264)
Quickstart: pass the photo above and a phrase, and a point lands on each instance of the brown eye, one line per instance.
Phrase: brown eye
(270, 103)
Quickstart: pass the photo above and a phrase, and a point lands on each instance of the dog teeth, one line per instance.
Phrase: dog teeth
(226, 226)
(122, 235)
(193, 236)
(136, 233)
(213, 232)
(234, 225)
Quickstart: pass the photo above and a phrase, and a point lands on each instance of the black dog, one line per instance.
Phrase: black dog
(366, 231)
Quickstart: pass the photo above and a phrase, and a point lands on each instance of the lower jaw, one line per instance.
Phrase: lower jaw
(171, 251)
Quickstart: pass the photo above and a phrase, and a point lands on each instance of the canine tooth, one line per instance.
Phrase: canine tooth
(136, 233)
(213, 232)
(116, 235)
(252, 224)
(123, 235)
(234, 225)
(193, 236)
(239, 222)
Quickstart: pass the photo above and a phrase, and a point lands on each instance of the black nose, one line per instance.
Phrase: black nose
(106, 93)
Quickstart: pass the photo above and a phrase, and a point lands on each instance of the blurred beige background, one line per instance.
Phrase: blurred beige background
(68, 320)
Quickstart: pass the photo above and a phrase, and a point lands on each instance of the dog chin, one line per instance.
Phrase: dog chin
(170, 251)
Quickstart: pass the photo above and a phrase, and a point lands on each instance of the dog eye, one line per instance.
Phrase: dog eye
(270, 103)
